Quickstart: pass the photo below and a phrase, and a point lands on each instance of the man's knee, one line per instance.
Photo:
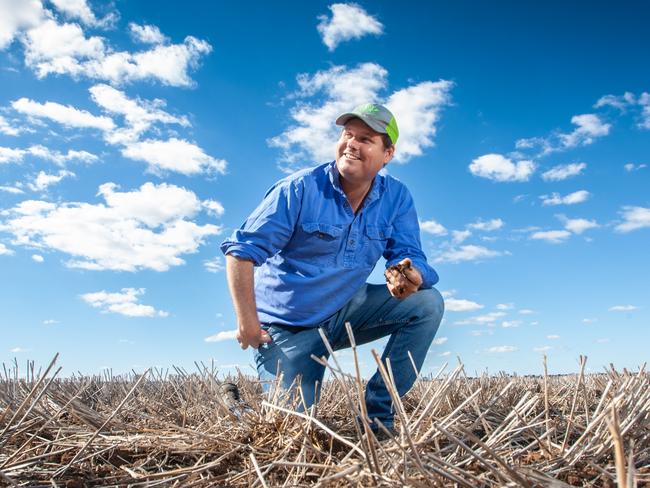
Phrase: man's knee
(431, 304)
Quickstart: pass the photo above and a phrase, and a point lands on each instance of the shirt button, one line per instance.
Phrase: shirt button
(351, 242)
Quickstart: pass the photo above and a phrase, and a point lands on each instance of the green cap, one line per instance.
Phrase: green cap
(378, 117)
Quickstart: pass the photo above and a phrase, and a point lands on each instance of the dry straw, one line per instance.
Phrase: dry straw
(173, 429)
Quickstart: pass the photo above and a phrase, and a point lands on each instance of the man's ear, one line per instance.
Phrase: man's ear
(388, 154)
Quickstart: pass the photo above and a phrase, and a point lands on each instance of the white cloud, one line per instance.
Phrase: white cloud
(623, 308)
(9, 155)
(589, 321)
(11, 189)
(501, 349)
(38, 258)
(488, 318)
(213, 207)
(489, 225)
(552, 236)
(417, 110)
(54, 48)
(589, 128)
(16, 15)
(644, 101)
(4, 250)
(564, 171)
(619, 102)
(553, 337)
(144, 229)
(466, 253)
(214, 265)
(505, 306)
(461, 305)
(79, 9)
(509, 324)
(174, 154)
(629, 167)
(570, 199)
(432, 227)
(50, 322)
(602, 341)
(459, 236)
(7, 129)
(445, 354)
(542, 349)
(634, 218)
(526, 311)
(17, 350)
(63, 114)
(497, 167)
(349, 21)
(138, 114)
(226, 335)
(43, 180)
(123, 303)
(148, 34)
(338, 89)
(440, 340)
(578, 226)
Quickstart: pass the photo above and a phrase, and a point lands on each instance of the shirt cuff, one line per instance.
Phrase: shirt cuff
(243, 250)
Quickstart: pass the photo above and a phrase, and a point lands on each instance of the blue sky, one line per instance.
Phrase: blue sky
(133, 141)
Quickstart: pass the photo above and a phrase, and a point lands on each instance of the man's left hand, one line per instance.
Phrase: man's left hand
(403, 279)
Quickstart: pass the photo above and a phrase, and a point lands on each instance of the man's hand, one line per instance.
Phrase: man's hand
(252, 334)
(403, 279)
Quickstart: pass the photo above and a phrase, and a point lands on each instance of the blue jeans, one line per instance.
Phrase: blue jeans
(373, 313)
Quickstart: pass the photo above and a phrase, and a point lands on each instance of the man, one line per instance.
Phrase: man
(315, 239)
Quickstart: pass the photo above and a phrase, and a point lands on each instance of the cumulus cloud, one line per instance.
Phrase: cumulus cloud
(148, 228)
(526, 311)
(432, 227)
(497, 167)
(124, 303)
(623, 308)
(542, 349)
(488, 318)
(500, 349)
(468, 252)
(460, 305)
(578, 226)
(619, 102)
(43, 180)
(323, 96)
(147, 34)
(18, 350)
(570, 199)
(505, 306)
(552, 236)
(213, 207)
(214, 265)
(564, 171)
(174, 154)
(459, 236)
(15, 155)
(553, 337)
(629, 167)
(38, 258)
(634, 218)
(7, 129)
(63, 48)
(348, 21)
(79, 9)
(16, 15)
(11, 189)
(63, 114)
(509, 324)
(440, 340)
(226, 335)
(4, 250)
(589, 128)
(139, 115)
(489, 225)
(9, 155)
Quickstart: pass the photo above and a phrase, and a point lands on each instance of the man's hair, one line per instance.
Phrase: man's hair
(387, 142)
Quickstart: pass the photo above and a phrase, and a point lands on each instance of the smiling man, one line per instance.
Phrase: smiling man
(315, 238)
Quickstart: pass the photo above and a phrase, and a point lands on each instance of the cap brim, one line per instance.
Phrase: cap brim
(344, 118)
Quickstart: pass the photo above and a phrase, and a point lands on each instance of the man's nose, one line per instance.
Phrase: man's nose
(353, 143)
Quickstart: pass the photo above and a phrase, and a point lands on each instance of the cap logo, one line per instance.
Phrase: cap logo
(368, 108)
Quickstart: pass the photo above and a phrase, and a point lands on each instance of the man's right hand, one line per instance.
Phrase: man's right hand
(252, 334)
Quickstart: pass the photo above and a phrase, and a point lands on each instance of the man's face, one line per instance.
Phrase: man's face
(360, 153)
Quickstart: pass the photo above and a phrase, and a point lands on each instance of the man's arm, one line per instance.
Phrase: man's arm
(240, 283)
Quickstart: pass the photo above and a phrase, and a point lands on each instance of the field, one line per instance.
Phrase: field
(167, 428)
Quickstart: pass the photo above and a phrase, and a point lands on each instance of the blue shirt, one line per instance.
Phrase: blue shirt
(314, 252)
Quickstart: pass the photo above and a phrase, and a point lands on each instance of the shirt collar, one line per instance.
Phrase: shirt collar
(375, 191)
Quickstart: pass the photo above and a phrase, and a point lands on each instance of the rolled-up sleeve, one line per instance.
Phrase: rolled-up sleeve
(268, 229)
(405, 242)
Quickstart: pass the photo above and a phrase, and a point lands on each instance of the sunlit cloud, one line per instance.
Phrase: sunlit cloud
(348, 21)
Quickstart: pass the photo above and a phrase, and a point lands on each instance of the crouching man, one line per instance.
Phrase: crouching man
(315, 239)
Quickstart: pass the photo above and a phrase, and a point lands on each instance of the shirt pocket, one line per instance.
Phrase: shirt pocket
(376, 240)
(322, 243)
